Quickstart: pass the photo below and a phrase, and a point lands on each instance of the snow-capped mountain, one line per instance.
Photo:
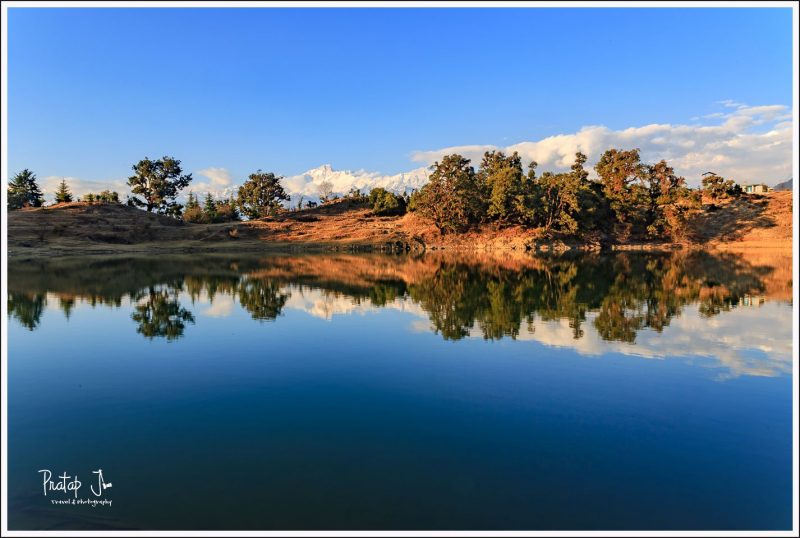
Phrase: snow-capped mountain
(307, 184)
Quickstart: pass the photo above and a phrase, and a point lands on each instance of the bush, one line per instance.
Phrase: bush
(227, 211)
(386, 203)
(195, 214)
(356, 195)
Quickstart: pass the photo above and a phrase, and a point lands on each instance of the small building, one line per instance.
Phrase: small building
(756, 188)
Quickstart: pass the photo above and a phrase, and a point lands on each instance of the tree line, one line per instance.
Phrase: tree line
(628, 292)
(628, 199)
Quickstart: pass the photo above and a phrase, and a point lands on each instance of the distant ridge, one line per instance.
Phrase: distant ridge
(785, 186)
(307, 184)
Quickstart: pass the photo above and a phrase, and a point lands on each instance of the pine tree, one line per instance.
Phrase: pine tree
(23, 191)
(210, 208)
(63, 194)
(192, 202)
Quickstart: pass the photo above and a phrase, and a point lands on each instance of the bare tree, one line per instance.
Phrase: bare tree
(325, 190)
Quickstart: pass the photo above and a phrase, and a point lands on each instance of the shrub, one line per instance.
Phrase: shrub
(195, 214)
(386, 203)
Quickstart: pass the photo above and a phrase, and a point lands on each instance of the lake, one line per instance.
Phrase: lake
(631, 390)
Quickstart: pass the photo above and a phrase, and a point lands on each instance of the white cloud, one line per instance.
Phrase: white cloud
(221, 307)
(752, 341)
(79, 187)
(748, 143)
(217, 175)
(217, 182)
(741, 142)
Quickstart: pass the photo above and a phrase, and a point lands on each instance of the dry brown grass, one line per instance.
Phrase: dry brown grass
(754, 220)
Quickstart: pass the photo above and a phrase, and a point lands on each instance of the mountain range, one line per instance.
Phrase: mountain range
(308, 183)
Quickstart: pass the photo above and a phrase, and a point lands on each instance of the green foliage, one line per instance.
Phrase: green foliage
(261, 195)
(195, 215)
(23, 191)
(451, 198)
(263, 299)
(210, 208)
(501, 180)
(193, 212)
(621, 175)
(109, 197)
(627, 291)
(669, 201)
(63, 194)
(224, 210)
(227, 211)
(27, 308)
(104, 197)
(716, 187)
(559, 202)
(158, 183)
(356, 195)
(628, 200)
(386, 203)
(160, 314)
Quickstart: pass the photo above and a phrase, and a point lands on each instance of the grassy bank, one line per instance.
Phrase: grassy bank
(108, 229)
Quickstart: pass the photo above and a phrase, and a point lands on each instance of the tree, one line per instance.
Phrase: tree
(451, 198)
(669, 199)
(210, 208)
(158, 182)
(621, 174)
(356, 195)
(108, 197)
(191, 201)
(384, 202)
(227, 210)
(717, 187)
(502, 181)
(261, 195)
(592, 211)
(559, 203)
(63, 194)
(325, 190)
(193, 212)
(23, 191)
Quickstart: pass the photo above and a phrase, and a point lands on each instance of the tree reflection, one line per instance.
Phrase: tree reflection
(160, 314)
(27, 308)
(262, 298)
(621, 293)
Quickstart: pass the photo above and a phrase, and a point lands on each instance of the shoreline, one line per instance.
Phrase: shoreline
(107, 229)
(316, 247)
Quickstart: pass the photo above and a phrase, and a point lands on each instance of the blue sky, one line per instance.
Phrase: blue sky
(91, 91)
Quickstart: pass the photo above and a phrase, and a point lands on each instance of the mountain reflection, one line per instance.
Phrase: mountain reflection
(613, 296)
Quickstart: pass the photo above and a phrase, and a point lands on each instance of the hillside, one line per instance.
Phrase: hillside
(784, 186)
(80, 228)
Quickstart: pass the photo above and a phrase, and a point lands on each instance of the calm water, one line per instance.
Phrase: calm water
(643, 391)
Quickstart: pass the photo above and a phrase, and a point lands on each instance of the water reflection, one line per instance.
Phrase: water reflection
(158, 313)
(610, 298)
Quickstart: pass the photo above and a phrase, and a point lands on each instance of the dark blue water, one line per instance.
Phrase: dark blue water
(631, 391)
